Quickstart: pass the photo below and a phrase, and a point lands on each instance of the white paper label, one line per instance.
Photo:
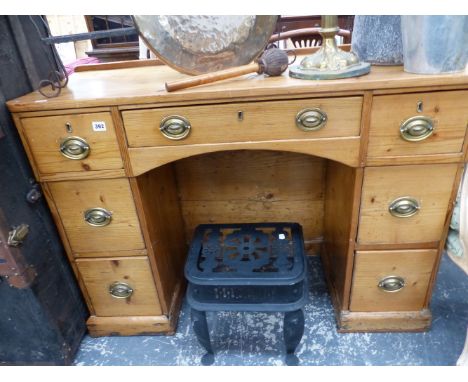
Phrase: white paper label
(99, 126)
(281, 236)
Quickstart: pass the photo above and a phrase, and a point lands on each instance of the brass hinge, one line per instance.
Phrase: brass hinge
(17, 235)
(13, 265)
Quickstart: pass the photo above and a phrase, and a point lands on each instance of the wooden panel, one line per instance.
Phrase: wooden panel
(121, 139)
(344, 150)
(261, 121)
(44, 135)
(24, 141)
(129, 326)
(252, 186)
(396, 246)
(431, 185)
(414, 266)
(66, 244)
(77, 175)
(384, 321)
(449, 110)
(138, 252)
(146, 85)
(343, 189)
(99, 274)
(73, 198)
(46, 113)
(448, 218)
(365, 126)
(159, 210)
(418, 159)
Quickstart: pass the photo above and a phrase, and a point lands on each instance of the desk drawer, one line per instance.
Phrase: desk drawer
(385, 281)
(255, 121)
(397, 128)
(120, 286)
(95, 199)
(56, 149)
(418, 196)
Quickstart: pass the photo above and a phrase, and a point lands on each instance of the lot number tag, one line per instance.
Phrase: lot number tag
(99, 126)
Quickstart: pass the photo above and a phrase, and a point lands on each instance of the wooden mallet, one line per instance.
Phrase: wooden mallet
(272, 62)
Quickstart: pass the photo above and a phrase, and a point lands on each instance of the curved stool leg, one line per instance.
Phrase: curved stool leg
(293, 331)
(200, 327)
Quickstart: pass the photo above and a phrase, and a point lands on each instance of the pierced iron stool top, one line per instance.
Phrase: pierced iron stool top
(246, 254)
(248, 267)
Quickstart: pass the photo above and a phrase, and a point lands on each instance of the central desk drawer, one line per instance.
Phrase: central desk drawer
(241, 122)
(98, 215)
(405, 204)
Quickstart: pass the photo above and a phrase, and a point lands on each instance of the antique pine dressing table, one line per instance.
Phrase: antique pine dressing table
(368, 166)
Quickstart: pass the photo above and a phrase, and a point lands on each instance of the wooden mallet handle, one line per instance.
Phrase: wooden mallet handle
(212, 77)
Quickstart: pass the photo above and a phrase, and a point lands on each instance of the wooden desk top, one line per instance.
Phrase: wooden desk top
(145, 85)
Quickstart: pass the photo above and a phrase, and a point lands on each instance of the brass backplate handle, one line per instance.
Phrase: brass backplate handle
(417, 128)
(311, 119)
(404, 207)
(392, 284)
(74, 148)
(98, 217)
(120, 289)
(175, 127)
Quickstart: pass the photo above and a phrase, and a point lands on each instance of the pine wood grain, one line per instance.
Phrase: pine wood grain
(73, 198)
(252, 186)
(27, 149)
(448, 110)
(121, 139)
(229, 170)
(129, 326)
(414, 266)
(66, 244)
(415, 159)
(159, 211)
(129, 253)
(344, 150)
(352, 322)
(342, 197)
(99, 274)
(431, 185)
(261, 121)
(44, 135)
(146, 85)
(365, 125)
(82, 175)
(448, 218)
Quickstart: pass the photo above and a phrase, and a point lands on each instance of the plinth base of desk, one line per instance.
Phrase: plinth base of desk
(131, 326)
(384, 321)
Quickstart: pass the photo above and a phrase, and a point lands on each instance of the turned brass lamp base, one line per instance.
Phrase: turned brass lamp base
(329, 62)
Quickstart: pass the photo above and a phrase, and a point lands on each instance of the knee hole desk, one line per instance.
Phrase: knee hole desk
(368, 166)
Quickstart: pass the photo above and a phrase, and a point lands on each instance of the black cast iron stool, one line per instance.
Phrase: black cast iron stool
(248, 267)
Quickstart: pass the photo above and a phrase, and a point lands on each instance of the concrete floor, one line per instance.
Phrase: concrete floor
(256, 338)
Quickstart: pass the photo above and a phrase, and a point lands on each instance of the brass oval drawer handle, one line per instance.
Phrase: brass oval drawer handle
(98, 217)
(404, 207)
(312, 119)
(392, 284)
(416, 129)
(74, 148)
(175, 127)
(120, 290)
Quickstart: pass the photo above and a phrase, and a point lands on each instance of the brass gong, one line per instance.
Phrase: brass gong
(204, 44)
